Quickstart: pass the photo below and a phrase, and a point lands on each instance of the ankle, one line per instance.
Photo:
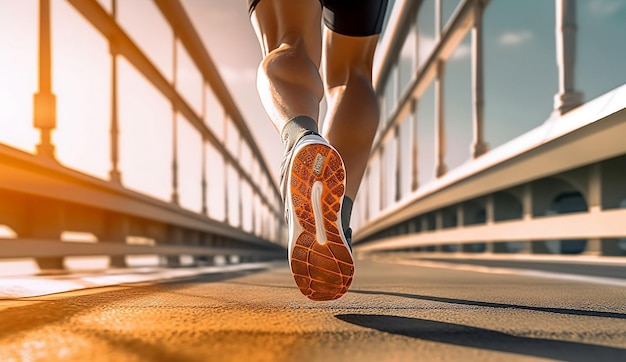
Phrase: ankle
(295, 129)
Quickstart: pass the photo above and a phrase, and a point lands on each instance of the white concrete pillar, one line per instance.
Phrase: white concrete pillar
(438, 22)
(527, 213)
(594, 202)
(489, 219)
(460, 222)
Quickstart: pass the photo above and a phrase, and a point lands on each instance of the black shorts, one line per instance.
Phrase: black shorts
(349, 17)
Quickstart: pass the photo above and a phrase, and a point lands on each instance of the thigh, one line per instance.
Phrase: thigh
(355, 17)
(278, 22)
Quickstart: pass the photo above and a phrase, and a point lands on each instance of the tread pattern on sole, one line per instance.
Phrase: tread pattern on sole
(322, 272)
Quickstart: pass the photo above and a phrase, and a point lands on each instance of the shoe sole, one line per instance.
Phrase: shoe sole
(321, 261)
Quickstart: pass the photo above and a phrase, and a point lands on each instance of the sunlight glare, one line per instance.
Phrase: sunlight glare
(82, 84)
(7, 233)
(186, 260)
(10, 267)
(135, 261)
(13, 267)
(83, 262)
(18, 73)
(78, 237)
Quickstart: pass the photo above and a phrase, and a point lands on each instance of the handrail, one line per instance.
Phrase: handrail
(124, 45)
(460, 207)
(43, 200)
(178, 19)
(607, 224)
(22, 172)
(539, 152)
(451, 36)
(391, 41)
(35, 248)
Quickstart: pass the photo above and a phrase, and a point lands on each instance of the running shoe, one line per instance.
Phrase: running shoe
(314, 182)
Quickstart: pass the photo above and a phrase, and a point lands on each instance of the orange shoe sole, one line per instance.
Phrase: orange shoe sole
(321, 262)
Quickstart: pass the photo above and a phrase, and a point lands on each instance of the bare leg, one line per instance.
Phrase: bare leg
(291, 88)
(288, 78)
(353, 114)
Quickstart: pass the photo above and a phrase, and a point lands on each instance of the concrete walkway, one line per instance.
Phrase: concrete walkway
(393, 313)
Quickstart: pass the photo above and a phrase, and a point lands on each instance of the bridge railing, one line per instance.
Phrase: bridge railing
(452, 74)
(224, 200)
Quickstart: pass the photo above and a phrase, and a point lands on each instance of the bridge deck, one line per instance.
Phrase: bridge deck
(393, 312)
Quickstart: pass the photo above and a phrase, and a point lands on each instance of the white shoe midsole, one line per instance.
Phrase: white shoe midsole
(318, 212)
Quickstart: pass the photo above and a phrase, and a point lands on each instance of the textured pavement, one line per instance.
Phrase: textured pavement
(392, 313)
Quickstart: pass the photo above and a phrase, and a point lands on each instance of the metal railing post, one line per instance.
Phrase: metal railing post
(253, 208)
(44, 101)
(440, 132)
(479, 146)
(239, 187)
(416, 33)
(175, 196)
(114, 174)
(224, 142)
(381, 187)
(368, 192)
(413, 129)
(567, 98)
(440, 136)
(203, 180)
(398, 165)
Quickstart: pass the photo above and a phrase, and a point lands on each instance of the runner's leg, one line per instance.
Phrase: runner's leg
(352, 116)
(288, 80)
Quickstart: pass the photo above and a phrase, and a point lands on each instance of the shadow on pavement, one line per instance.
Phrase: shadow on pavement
(578, 312)
(473, 337)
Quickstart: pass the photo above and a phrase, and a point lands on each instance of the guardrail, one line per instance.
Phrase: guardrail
(508, 199)
(41, 198)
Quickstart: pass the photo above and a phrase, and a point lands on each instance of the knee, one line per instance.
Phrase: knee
(290, 64)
